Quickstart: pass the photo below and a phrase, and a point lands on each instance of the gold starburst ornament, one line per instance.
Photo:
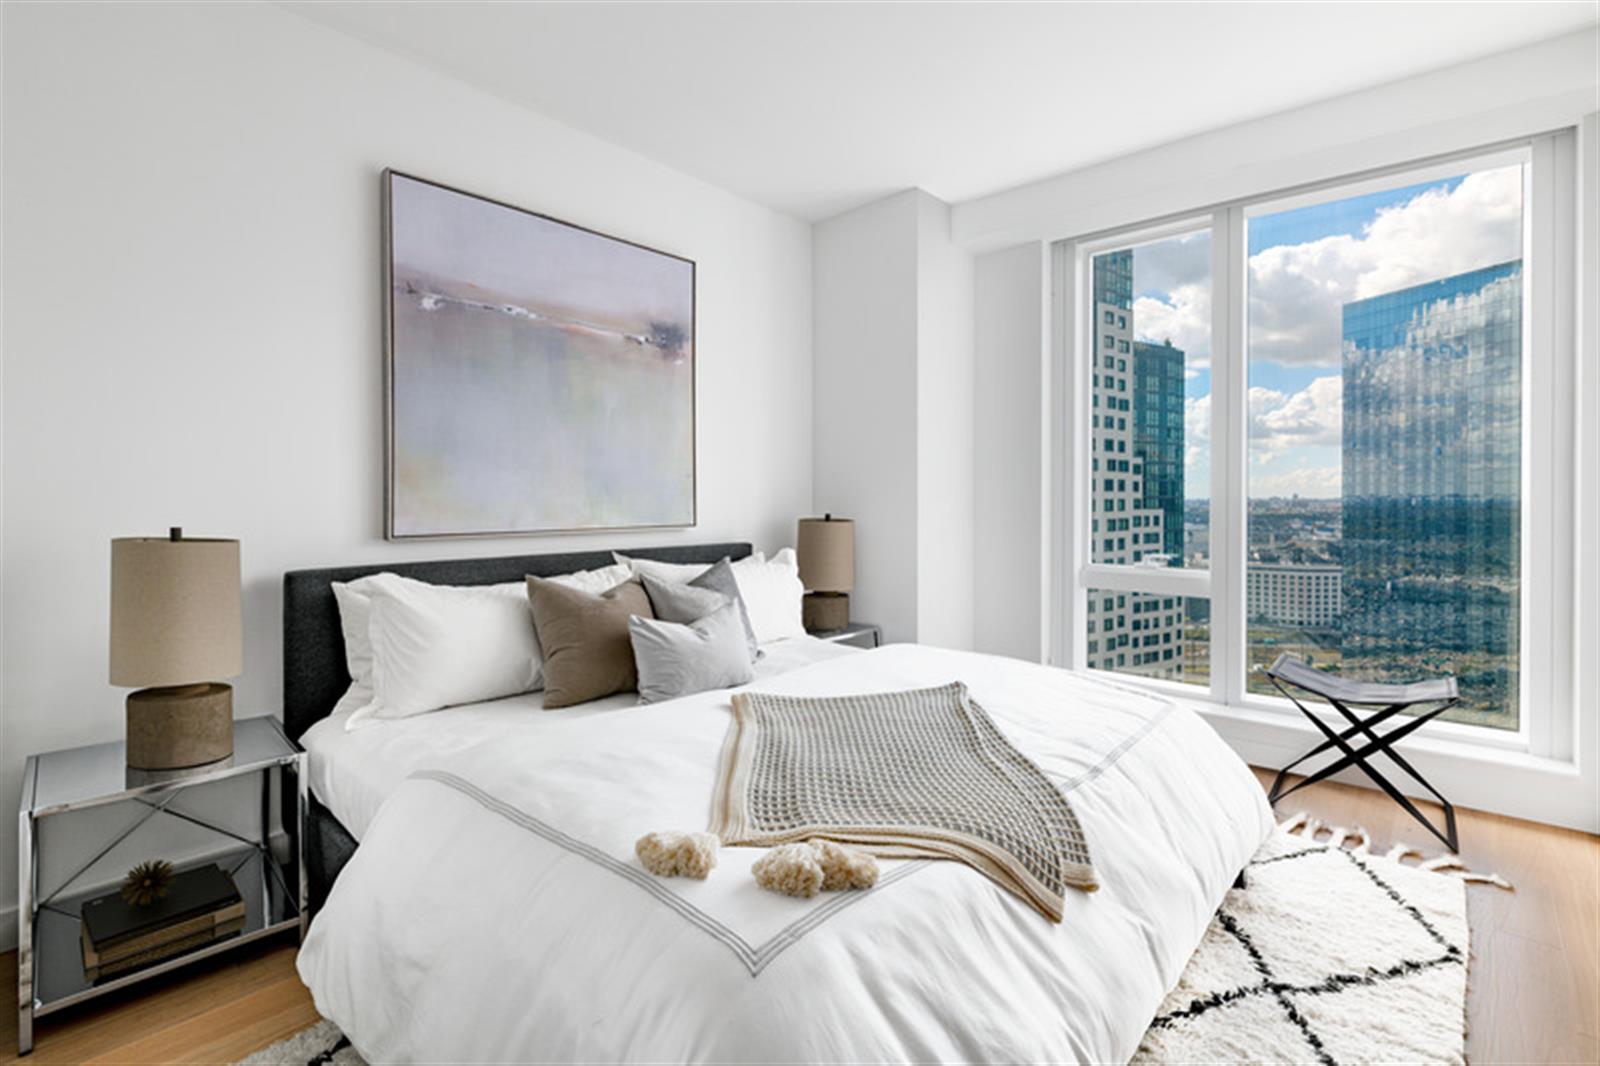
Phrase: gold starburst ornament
(147, 882)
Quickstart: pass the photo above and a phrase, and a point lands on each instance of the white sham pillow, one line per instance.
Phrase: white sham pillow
(674, 573)
(592, 581)
(772, 595)
(437, 646)
(493, 611)
(354, 612)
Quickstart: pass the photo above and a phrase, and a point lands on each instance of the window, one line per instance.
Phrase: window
(1384, 358)
(1371, 365)
(1159, 291)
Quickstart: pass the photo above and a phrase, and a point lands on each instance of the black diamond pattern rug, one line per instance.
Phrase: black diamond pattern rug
(1327, 954)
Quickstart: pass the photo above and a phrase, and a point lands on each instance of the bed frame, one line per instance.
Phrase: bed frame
(314, 674)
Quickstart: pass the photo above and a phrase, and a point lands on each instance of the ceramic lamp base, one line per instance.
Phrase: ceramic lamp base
(181, 726)
(824, 612)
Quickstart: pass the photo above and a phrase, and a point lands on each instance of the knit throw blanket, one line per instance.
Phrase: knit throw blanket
(921, 774)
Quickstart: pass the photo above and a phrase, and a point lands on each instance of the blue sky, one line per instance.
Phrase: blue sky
(1305, 264)
(1342, 217)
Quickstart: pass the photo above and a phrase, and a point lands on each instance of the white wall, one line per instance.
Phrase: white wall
(1012, 451)
(864, 283)
(893, 410)
(191, 270)
(944, 386)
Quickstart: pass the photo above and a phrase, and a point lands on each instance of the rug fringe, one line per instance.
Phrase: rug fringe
(1302, 824)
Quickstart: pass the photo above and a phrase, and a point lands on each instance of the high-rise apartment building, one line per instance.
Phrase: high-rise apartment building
(1432, 475)
(1158, 435)
(1293, 594)
(1127, 632)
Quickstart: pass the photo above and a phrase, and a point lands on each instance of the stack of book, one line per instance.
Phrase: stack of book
(201, 906)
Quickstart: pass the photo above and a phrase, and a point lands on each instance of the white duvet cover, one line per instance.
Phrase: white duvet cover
(495, 910)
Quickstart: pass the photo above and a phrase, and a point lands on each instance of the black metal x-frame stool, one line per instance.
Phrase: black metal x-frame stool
(1343, 696)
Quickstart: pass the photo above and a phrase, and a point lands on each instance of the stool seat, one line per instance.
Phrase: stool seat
(1390, 700)
(1296, 672)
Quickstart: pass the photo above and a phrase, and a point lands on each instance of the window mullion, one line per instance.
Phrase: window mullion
(1228, 436)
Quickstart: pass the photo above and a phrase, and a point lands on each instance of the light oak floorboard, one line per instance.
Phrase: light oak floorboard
(219, 1010)
(1533, 990)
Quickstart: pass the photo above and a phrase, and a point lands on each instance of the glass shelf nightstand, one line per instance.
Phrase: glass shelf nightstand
(856, 634)
(50, 970)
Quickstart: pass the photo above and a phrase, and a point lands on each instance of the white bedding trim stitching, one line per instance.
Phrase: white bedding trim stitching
(755, 959)
(1067, 784)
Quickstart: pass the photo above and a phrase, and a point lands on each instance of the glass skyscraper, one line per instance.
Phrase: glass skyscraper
(1432, 486)
(1158, 435)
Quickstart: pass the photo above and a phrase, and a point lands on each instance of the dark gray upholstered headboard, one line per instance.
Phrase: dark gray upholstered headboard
(314, 674)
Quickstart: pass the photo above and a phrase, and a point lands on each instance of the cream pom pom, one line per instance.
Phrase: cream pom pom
(844, 867)
(815, 866)
(792, 869)
(678, 854)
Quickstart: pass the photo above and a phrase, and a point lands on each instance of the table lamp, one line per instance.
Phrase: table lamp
(175, 625)
(827, 551)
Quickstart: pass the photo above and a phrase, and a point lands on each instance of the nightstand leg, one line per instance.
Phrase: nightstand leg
(302, 814)
(25, 889)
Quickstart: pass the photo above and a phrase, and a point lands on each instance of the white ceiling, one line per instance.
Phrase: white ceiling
(813, 108)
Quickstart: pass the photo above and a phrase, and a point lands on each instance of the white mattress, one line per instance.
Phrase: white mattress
(354, 770)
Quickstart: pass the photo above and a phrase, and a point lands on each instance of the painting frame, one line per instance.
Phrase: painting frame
(390, 487)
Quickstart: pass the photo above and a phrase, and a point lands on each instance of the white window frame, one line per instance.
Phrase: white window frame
(1546, 721)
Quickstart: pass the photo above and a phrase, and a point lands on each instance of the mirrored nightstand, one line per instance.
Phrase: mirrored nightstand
(856, 634)
(50, 960)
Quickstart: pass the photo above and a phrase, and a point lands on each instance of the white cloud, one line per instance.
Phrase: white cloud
(1184, 318)
(1297, 291)
(1287, 430)
(1312, 416)
(1178, 270)
(1170, 263)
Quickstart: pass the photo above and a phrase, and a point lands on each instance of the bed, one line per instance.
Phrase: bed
(494, 910)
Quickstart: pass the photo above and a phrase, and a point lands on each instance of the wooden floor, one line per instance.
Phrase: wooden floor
(1533, 992)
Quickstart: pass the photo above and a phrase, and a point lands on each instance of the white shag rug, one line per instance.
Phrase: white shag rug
(1327, 954)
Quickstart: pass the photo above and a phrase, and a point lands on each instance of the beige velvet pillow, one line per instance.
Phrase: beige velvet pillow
(587, 652)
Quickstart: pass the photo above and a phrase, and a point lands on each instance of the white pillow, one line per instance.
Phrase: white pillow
(438, 646)
(488, 607)
(674, 573)
(772, 594)
(354, 612)
(593, 581)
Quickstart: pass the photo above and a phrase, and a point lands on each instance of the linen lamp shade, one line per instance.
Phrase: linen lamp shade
(175, 616)
(827, 553)
(176, 628)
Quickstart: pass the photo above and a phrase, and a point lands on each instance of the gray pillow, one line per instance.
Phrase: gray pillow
(719, 578)
(681, 603)
(675, 660)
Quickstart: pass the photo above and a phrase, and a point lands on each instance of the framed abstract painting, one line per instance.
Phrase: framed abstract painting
(541, 376)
